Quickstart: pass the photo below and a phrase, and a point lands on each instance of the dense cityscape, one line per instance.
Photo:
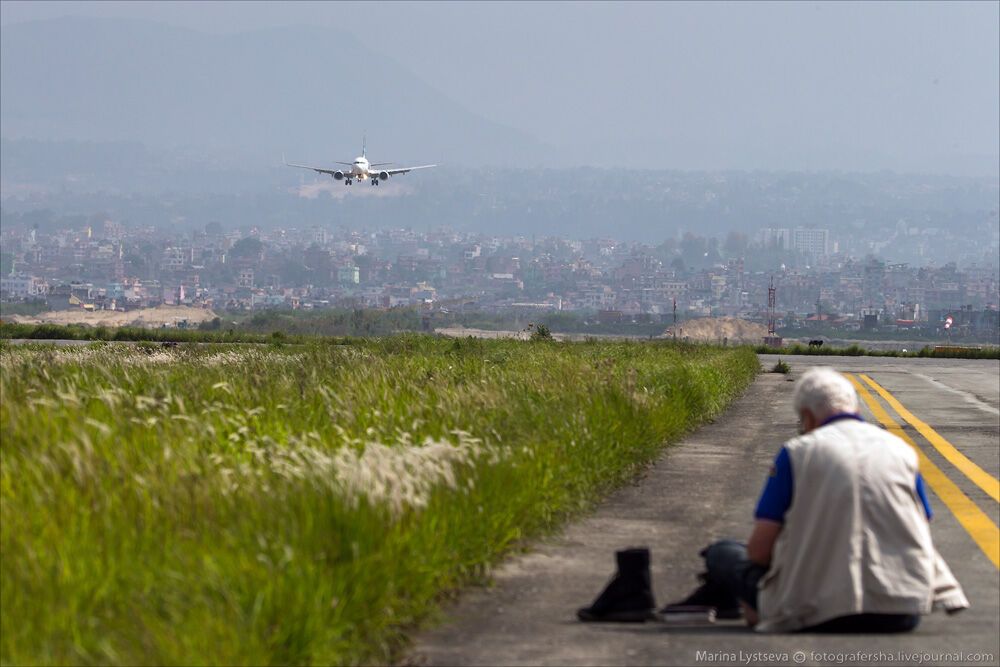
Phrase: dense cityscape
(106, 265)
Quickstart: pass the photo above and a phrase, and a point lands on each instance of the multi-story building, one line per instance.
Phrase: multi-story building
(815, 242)
(20, 286)
(777, 239)
(246, 278)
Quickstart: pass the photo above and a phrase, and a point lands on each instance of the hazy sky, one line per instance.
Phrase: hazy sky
(859, 86)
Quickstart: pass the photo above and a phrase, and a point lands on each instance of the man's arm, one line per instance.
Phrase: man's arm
(762, 539)
(769, 516)
(922, 494)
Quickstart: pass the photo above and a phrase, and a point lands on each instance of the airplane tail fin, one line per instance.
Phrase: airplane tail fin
(364, 145)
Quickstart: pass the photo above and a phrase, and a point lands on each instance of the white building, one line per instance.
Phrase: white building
(815, 242)
(246, 279)
(175, 258)
(672, 289)
(349, 274)
(20, 286)
(778, 239)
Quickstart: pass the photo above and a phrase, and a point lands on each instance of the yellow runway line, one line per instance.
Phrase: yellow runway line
(979, 526)
(980, 477)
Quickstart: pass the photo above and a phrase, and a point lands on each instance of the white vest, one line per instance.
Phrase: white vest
(856, 538)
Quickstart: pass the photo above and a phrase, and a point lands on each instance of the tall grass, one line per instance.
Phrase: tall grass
(257, 505)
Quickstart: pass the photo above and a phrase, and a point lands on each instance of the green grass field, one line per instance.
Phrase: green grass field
(308, 504)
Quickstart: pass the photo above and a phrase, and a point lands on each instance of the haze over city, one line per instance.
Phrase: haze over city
(775, 86)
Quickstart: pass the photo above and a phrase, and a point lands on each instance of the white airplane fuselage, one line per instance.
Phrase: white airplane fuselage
(360, 168)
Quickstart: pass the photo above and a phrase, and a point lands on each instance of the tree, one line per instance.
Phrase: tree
(693, 249)
(247, 248)
(666, 250)
(540, 332)
(735, 244)
(712, 250)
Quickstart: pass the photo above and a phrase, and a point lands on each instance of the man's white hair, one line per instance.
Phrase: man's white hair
(824, 392)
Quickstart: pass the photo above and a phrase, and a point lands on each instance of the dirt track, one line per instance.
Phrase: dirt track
(146, 317)
(715, 329)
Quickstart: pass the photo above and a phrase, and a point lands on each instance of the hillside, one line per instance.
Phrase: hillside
(309, 91)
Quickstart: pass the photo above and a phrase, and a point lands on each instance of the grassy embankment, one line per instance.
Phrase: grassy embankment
(943, 352)
(43, 332)
(273, 326)
(307, 504)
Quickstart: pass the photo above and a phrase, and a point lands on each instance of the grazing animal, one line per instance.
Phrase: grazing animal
(815, 343)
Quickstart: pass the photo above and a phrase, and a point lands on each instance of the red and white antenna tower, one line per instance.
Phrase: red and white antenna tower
(770, 308)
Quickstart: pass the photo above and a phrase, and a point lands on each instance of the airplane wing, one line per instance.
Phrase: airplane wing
(321, 170)
(403, 170)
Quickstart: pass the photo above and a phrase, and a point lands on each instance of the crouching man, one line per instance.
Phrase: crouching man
(841, 540)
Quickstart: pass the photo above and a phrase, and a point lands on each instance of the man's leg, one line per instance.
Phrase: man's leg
(730, 579)
(868, 623)
(731, 571)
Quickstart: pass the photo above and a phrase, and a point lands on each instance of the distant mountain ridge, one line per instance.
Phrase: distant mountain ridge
(309, 91)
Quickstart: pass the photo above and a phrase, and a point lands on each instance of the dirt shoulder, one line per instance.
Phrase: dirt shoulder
(145, 317)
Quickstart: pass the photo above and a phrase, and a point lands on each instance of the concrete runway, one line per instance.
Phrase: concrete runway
(705, 488)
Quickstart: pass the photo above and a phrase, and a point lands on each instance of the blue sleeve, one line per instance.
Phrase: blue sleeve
(922, 493)
(777, 495)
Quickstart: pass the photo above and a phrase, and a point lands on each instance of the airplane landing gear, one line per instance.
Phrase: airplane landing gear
(374, 181)
(347, 181)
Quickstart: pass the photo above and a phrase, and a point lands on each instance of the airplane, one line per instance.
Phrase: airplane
(360, 169)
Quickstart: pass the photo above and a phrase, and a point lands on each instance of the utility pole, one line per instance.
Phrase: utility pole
(675, 318)
(770, 308)
(771, 340)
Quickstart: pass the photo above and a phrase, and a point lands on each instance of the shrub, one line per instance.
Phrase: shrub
(781, 367)
(541, 332)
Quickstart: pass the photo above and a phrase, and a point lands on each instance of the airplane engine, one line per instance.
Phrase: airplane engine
(383, 176)
(338, 175)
